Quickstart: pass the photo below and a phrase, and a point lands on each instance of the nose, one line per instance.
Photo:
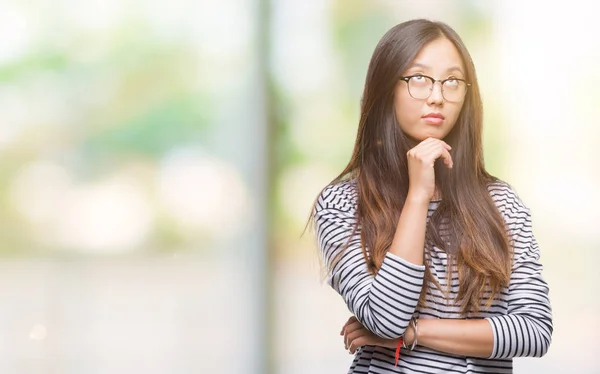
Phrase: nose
(436, 97)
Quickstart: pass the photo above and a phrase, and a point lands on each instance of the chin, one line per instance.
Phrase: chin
(420, 137)
(436, 133)
(420, 133)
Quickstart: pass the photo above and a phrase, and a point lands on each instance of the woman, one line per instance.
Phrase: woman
(434, 257)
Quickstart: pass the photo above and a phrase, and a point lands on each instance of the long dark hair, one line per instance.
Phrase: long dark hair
(467, 217)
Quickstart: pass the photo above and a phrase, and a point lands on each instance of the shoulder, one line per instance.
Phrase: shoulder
(506, 199)
(340, 196)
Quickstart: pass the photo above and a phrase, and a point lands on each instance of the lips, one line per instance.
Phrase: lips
(434, 115)
(435, 119)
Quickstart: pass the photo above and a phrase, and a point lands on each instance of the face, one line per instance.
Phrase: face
(434, 116)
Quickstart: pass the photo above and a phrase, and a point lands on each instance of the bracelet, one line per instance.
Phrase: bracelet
(401, 344)
(414, 321)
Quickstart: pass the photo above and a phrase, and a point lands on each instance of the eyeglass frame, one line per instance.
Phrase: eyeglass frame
(433, 82)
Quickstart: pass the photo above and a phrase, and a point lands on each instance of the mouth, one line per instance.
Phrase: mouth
(434, 118)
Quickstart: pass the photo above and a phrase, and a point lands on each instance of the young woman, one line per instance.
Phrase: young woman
(434, 256)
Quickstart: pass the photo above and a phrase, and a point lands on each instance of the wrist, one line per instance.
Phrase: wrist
(409, 335)
(389, 343)
(418, 199)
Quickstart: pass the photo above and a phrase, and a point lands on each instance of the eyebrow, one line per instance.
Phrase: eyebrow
(423, 66)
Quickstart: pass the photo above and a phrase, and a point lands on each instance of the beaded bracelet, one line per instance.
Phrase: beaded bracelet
(402, 343)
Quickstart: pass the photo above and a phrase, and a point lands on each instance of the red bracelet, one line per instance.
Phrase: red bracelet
(400, 341)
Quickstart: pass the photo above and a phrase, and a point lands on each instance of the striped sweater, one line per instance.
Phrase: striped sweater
(520, 317)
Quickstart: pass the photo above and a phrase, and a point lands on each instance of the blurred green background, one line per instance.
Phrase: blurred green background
(158, 162)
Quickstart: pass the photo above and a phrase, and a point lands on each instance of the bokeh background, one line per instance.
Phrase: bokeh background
(159, 159)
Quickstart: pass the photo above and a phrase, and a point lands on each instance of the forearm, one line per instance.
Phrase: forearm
(397, 285)
(409, 239)
(384, 302)
(462, 337)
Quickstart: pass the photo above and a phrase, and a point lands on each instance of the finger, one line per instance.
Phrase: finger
(346, 324)
(426, 142)
(424, 149)
(437, 144)
(439, 151)
(353, 327)
(353, 330)
(349, 329)
(350, 320)
(357, 339)
(356, 335)
(349, 338)
(447, 158)
(355, 344)
(446, 145)
(423, 144)
(427, 152)
(431, 141)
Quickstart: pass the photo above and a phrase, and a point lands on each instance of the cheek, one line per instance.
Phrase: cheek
(455, 114)
(407, 110)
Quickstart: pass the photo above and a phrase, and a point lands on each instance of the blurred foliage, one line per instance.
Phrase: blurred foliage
(123, 98)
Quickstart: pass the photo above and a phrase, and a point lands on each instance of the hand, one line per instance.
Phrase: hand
(421, 174)
(356, 335)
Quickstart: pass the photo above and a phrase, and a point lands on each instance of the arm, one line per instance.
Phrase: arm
(409, 238)
(462, 337)
(385, 302)
(526, 329)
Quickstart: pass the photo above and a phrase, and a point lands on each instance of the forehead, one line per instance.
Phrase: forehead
(440, 56)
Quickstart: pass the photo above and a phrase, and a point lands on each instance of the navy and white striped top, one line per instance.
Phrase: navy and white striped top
(520, 317)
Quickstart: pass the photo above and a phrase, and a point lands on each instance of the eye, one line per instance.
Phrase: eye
(451, 82)
(419, 80)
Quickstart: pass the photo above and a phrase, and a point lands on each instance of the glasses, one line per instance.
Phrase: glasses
(420, 87)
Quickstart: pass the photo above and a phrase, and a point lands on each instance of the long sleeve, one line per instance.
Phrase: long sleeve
(383, 303)
(526, 330)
